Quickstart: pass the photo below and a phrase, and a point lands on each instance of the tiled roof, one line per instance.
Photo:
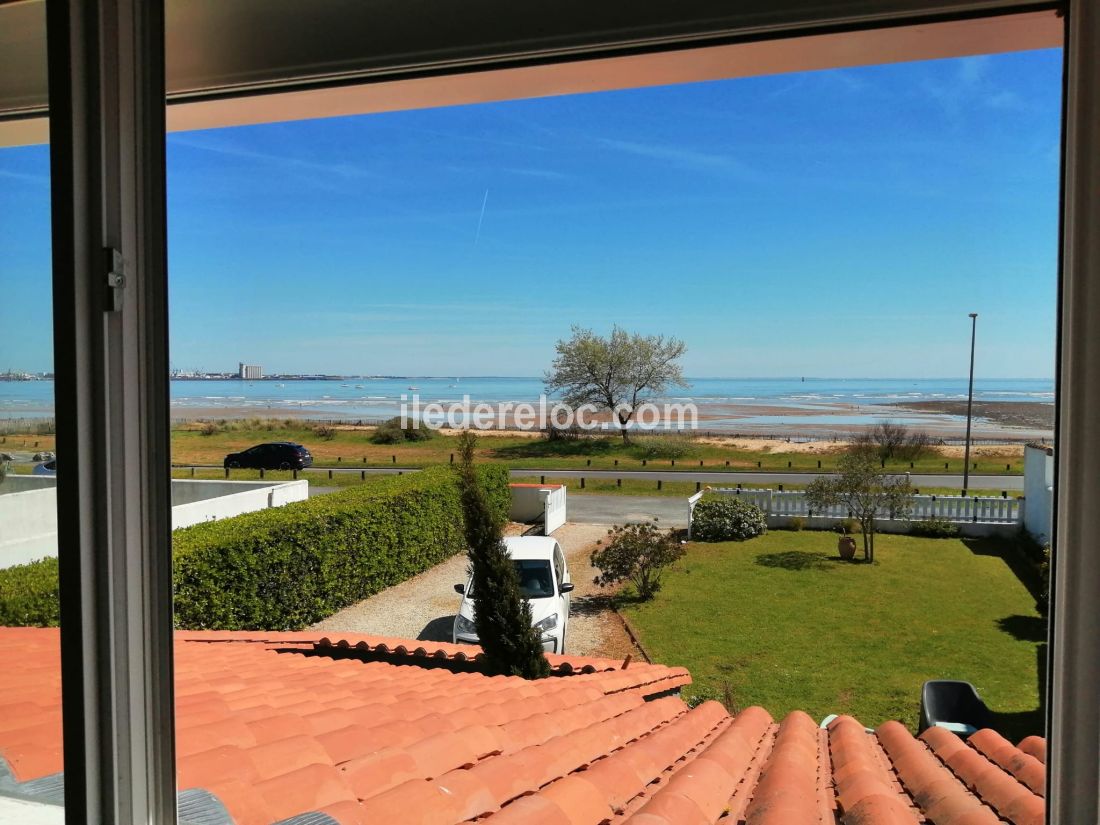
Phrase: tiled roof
(292, 728)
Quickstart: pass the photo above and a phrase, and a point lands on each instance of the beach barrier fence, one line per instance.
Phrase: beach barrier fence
(975, 515)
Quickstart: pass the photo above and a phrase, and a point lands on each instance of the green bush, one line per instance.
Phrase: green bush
(796, 523)
(934, 528)
(662, 446)
(727, 519)
(28, 595)
(391, 432)
(284, 568)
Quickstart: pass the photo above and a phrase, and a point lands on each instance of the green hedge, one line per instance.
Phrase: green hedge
(28, 595)
(287, 567)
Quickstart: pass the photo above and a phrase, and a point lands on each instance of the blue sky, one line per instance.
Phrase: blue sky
(838, 223)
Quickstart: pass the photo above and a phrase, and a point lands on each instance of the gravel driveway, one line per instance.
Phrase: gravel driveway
(424, 607)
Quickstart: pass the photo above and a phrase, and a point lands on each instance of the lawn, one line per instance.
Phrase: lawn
(786, 625)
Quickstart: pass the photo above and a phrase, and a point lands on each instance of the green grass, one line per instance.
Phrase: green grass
(786, 625)
(354, 448)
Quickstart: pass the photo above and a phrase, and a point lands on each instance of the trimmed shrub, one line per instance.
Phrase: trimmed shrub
(284, 568)
(934, 528)
(727, 519)
(796, 523)
(28, 595)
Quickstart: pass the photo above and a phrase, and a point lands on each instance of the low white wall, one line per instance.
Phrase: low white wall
(544, 503)
(28, 519)
(28, 526)
(14, 483)
(245, 497)
(1039, 490)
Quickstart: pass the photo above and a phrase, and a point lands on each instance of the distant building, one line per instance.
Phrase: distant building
(250, 372)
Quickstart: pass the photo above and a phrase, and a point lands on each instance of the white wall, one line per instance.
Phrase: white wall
(28, 526)
(1039, 491)
(18, 483)
(28, 519)
(244, 497)
(544, 503)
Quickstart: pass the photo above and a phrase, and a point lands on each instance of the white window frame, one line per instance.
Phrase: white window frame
(107, 144)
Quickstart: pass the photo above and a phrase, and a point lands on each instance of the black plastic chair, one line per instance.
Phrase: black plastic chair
(954, 703)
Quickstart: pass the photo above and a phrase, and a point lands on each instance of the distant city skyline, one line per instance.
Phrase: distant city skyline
(839, 223)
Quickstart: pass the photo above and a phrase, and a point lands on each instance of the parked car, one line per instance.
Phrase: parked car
(545, 584)
(277, 455)
(46, 468)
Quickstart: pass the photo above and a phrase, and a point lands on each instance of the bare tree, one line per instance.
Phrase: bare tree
(889, 440)
(867, 491)
(616, 373)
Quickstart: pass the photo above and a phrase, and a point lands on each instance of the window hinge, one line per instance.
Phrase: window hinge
(116, 279)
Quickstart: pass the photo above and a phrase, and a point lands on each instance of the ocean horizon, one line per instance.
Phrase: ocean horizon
(372, 398)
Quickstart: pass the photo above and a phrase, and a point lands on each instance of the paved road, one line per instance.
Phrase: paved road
(670, 511)
(715, 478)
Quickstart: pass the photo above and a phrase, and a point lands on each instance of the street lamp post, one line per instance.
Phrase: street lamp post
(969, 404)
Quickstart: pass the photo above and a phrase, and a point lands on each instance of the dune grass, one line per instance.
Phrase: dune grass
(782, 623)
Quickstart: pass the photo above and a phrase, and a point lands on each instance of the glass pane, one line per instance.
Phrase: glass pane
(818, 243)
(31, 769)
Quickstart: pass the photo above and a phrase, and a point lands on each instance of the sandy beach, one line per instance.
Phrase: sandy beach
(1009, 413)
(1011, 421)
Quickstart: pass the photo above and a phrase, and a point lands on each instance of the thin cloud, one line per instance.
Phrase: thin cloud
(26, 177)
(285, 162)
(678, 156)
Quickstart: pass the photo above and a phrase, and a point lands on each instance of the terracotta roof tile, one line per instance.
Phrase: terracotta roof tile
(363, 730)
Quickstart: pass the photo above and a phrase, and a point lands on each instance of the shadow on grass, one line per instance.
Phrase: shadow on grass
(1024, 628)
(797, 560)
(1015, 726)
(562, 448)
(1008, 551)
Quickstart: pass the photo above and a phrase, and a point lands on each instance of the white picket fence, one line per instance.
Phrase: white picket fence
(780, 505)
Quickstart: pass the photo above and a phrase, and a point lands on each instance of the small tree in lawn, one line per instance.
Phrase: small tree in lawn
(867, 492)
(638, 553)
(616, 373)
(502, 616)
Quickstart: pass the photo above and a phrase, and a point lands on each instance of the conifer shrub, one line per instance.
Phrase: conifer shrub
(502, 617)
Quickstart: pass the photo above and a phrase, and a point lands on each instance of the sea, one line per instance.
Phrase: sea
(831, 400)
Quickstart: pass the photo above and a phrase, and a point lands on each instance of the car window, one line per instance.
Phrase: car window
(559, 564)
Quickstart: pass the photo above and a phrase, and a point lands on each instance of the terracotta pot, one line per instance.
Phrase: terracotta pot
(846, 546)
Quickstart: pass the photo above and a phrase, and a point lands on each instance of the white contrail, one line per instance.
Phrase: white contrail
(481, 217)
